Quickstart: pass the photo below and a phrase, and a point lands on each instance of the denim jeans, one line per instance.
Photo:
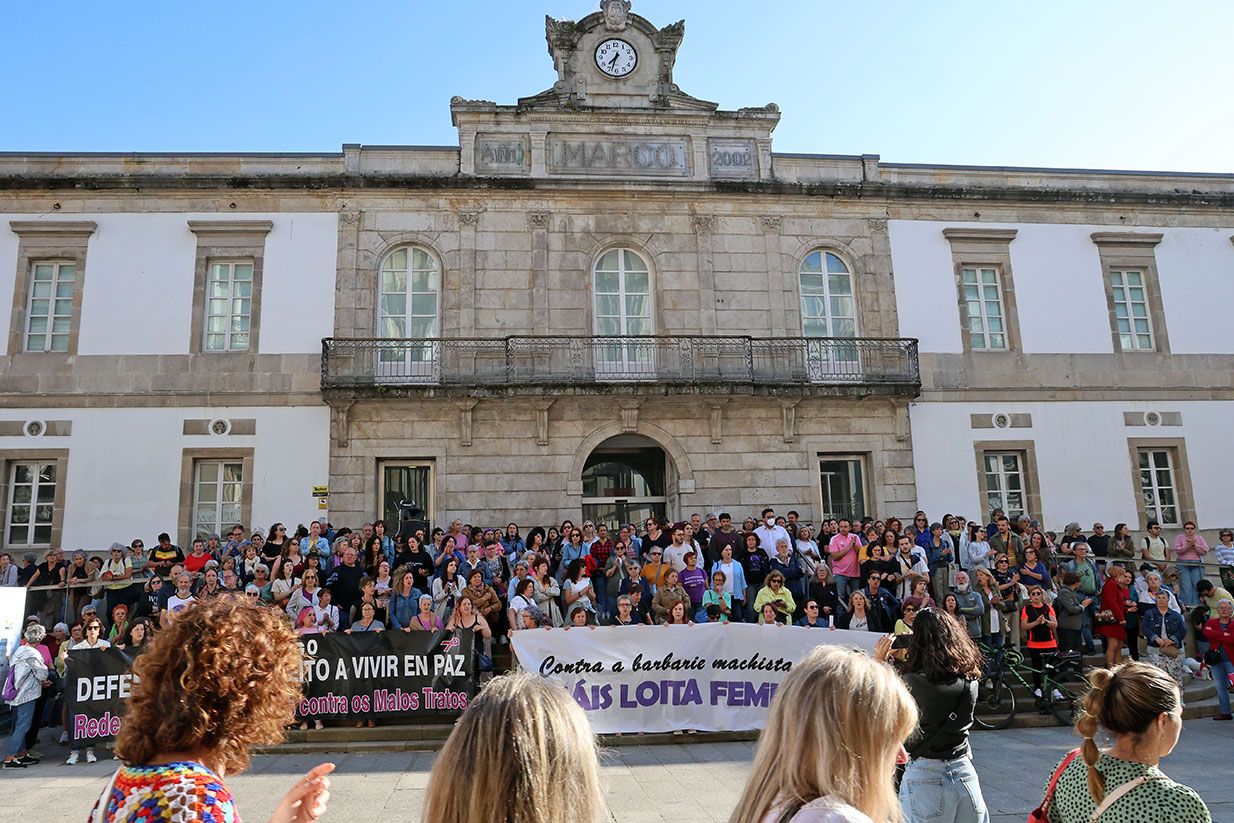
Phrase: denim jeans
(1189, 573)
(1086, 629)
(23, 714)
(1221, 679)
(845, 586)
(942, 791)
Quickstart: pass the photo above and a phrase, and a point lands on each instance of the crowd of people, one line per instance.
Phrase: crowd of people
(199, 704)
(1008, 582)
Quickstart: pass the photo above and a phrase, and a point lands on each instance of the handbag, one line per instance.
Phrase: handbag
(1213, 656)
(1105, 617)
(1041, 814)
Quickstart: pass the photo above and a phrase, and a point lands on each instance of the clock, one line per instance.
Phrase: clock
(616, 58)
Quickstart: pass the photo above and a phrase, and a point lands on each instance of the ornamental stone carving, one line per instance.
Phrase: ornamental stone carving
(616, 14)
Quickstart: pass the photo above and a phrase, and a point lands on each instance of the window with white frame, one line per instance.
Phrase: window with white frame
(983, 301)
(49, 313)
(229, 306)
(408, 305)
(218, 487)
(1004, 482)
(1158, 485)
(621, 286)
(1135, 331)
(31, 505)
(827, 305)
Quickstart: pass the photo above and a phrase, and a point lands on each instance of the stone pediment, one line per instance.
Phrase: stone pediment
(613, 58)
(614, 113)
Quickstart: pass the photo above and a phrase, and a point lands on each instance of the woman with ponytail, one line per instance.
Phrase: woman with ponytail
(1140, 708)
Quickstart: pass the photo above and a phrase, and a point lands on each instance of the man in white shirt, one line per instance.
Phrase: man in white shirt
(181, 600)
(913, 567)
(768, 533)
(675, 553)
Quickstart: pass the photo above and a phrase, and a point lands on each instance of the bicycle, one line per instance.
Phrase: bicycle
(1062, 687)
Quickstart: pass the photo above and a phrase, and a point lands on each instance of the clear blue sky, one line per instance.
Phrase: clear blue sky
(1122, 84)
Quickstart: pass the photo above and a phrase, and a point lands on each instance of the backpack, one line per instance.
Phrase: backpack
(10, 685)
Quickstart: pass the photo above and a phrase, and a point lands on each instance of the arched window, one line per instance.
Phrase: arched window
(621, 284)
(410, 283)
(407, 307)
(827, 305)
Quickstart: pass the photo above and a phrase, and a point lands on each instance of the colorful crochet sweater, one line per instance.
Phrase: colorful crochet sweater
(181, 792)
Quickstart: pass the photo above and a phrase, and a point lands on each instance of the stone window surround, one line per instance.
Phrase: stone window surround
(61, 458)
(847, 258)
(653, 281)
(1032, 485)
(48, 241)
(1120, 251)
(231, 241)
(368, 267)
(1183, 489)
(188, 462)
(990, 248)
(865, 458)
(376, 498)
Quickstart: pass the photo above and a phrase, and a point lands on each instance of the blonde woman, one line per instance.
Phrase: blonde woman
(546, 769)
(836, 778)
(1140, 708)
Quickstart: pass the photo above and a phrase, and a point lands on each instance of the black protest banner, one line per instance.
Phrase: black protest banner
(97, 684)
(386, 674)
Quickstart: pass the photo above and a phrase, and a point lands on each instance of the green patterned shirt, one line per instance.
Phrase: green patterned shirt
(1159, 800)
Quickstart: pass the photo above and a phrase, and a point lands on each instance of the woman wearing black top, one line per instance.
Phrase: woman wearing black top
(822, 590)
(884, 564)
(941, 671)
(272, 549)
(418, 561)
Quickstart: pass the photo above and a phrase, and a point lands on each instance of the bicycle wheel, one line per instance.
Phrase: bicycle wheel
(995, 704)
(1067, 692)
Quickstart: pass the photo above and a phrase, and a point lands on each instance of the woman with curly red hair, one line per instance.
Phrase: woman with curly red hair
(219, 680)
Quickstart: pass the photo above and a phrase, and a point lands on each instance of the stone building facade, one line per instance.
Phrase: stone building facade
(610, 299)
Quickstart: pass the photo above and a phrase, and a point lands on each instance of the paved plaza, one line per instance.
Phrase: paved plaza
(698, 781)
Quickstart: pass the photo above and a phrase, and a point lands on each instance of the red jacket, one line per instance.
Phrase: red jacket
(1114, 598)
(1214, 634)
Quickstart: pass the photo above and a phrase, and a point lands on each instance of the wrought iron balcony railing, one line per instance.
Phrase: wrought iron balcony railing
(577, 361)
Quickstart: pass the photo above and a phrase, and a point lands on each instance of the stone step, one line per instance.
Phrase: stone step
(1195, 690)
(407, 733)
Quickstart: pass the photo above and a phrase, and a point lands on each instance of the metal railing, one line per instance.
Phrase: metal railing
(566, 360)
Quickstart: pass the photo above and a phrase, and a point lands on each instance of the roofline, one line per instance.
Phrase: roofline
(883, 164)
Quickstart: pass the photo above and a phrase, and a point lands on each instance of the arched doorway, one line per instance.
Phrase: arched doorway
(625, 480)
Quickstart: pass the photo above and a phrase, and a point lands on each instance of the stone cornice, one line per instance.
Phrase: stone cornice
(973, 235)
(216, 227)
(53, 227)
(1126, 238)
(76, 185)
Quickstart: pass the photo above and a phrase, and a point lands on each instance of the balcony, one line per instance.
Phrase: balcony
(619, 365)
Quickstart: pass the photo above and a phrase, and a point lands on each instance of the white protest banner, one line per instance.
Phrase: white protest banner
(711, 677)
(12, 617)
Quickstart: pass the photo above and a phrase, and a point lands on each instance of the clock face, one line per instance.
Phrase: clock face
(616, 58)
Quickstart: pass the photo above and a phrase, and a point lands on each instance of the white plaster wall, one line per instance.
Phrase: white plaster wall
(1059, 290)
(1083, 462)
(138, 295)
(124, 466)
(1197, 289)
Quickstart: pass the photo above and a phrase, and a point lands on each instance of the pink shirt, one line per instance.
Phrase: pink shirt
(1194, 552)
(850, 564)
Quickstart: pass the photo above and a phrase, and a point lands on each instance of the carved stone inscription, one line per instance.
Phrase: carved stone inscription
(618, 155)
(501, 154)
(732, 158)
